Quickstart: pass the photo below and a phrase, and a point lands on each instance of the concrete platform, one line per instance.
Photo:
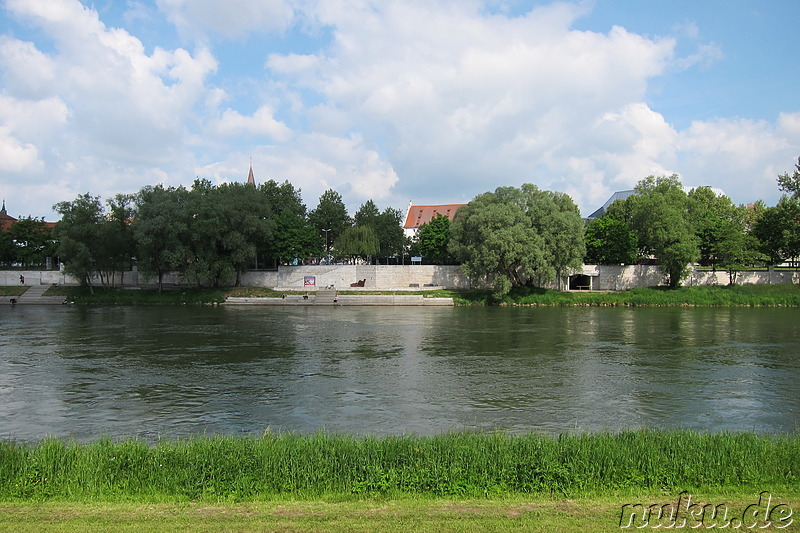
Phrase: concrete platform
(346, 300)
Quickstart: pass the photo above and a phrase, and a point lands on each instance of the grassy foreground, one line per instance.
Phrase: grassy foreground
(516, 513)
(282, 465)
(451, 482)
(711, 296)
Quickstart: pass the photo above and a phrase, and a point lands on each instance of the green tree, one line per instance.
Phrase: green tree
(248, 225)
(160, 231)
(390, 235)
(791, 184)
(517, 237)
(116, 236)
(293, 237)
(778, 230)
(358, 242)
(367, 214)
(206, 222)
(330, 214)
(78, 231)
(30, 242)
(734, 247)
(433, 239)
(660, 219)
(610, 241)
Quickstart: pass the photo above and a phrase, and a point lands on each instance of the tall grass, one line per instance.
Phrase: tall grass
(705, 296)
(470, 464)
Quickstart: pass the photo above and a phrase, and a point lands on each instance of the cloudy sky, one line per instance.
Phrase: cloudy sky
(411, 100)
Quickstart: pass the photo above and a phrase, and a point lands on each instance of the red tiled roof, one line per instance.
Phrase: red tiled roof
(422, 214)
(6, 221)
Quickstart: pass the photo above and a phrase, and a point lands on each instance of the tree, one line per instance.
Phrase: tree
(248, 225)
(330, 214)
(791, 184)
(778, 230)
(206, 220)
(518, 237)
(734, 247)
(610, 241)
(358, 242)
(709, 214)
(160, 231)
(293, 237)
(367, 214)
(433, 239)
(660, 219)
(79, 245)
(116, 236)
(30, 242)
(389, 232)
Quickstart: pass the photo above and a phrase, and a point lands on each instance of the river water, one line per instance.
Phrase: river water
(172, 372)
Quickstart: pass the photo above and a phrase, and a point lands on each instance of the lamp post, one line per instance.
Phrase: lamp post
(327, 249)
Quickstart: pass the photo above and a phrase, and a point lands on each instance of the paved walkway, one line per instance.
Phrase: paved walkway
(35, 296)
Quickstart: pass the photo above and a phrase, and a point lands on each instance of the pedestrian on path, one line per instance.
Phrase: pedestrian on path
(21, 279)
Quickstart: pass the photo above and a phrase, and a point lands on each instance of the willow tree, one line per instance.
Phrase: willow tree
(357, 242)
(518, 237)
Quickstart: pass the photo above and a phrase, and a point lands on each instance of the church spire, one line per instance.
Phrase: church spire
(251, 180)
(3, 211)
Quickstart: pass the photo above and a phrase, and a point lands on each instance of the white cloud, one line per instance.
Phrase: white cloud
(262, 122)
(27, 73)
(232, 18)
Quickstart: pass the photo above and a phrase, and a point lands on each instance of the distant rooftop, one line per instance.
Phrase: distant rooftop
(619, 195)
(422, 214)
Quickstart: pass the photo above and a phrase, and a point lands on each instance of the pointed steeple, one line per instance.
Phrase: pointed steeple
(4, 208)
(251, 180)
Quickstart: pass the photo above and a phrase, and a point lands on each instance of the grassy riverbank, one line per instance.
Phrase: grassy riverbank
(710, 296)
(213, 469)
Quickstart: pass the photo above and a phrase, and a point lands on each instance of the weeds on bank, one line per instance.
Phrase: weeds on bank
(278, 465)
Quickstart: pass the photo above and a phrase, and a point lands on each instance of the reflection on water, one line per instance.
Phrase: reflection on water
(168, 372)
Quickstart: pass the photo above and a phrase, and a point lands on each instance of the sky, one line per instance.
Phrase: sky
(397, 101)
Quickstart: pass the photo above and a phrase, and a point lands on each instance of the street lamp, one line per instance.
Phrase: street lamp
(327, 249)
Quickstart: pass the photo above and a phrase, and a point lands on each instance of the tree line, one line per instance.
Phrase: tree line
(211, 234)
(507, 238)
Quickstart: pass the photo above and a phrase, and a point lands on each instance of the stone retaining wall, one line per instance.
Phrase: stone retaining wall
(410, 277)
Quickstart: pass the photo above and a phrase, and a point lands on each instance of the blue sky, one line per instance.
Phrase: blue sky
(432, 101)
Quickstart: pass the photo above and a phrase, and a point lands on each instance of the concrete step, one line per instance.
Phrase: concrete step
(35, 295)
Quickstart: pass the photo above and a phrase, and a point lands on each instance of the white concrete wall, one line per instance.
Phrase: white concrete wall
(604, 277)
(617, 278)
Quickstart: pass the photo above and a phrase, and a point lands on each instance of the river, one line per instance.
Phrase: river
(167, 372)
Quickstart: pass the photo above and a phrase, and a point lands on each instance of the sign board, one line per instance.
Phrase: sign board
(310, 281)
(416, 259)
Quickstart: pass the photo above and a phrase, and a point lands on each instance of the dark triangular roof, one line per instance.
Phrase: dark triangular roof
(251, 180)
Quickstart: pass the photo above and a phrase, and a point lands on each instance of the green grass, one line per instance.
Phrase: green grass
(286, 465)
(514, 513)
(705, 296)
(109, 296)
(12, 290)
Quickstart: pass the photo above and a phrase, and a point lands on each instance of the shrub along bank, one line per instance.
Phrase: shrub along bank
(464, 464)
